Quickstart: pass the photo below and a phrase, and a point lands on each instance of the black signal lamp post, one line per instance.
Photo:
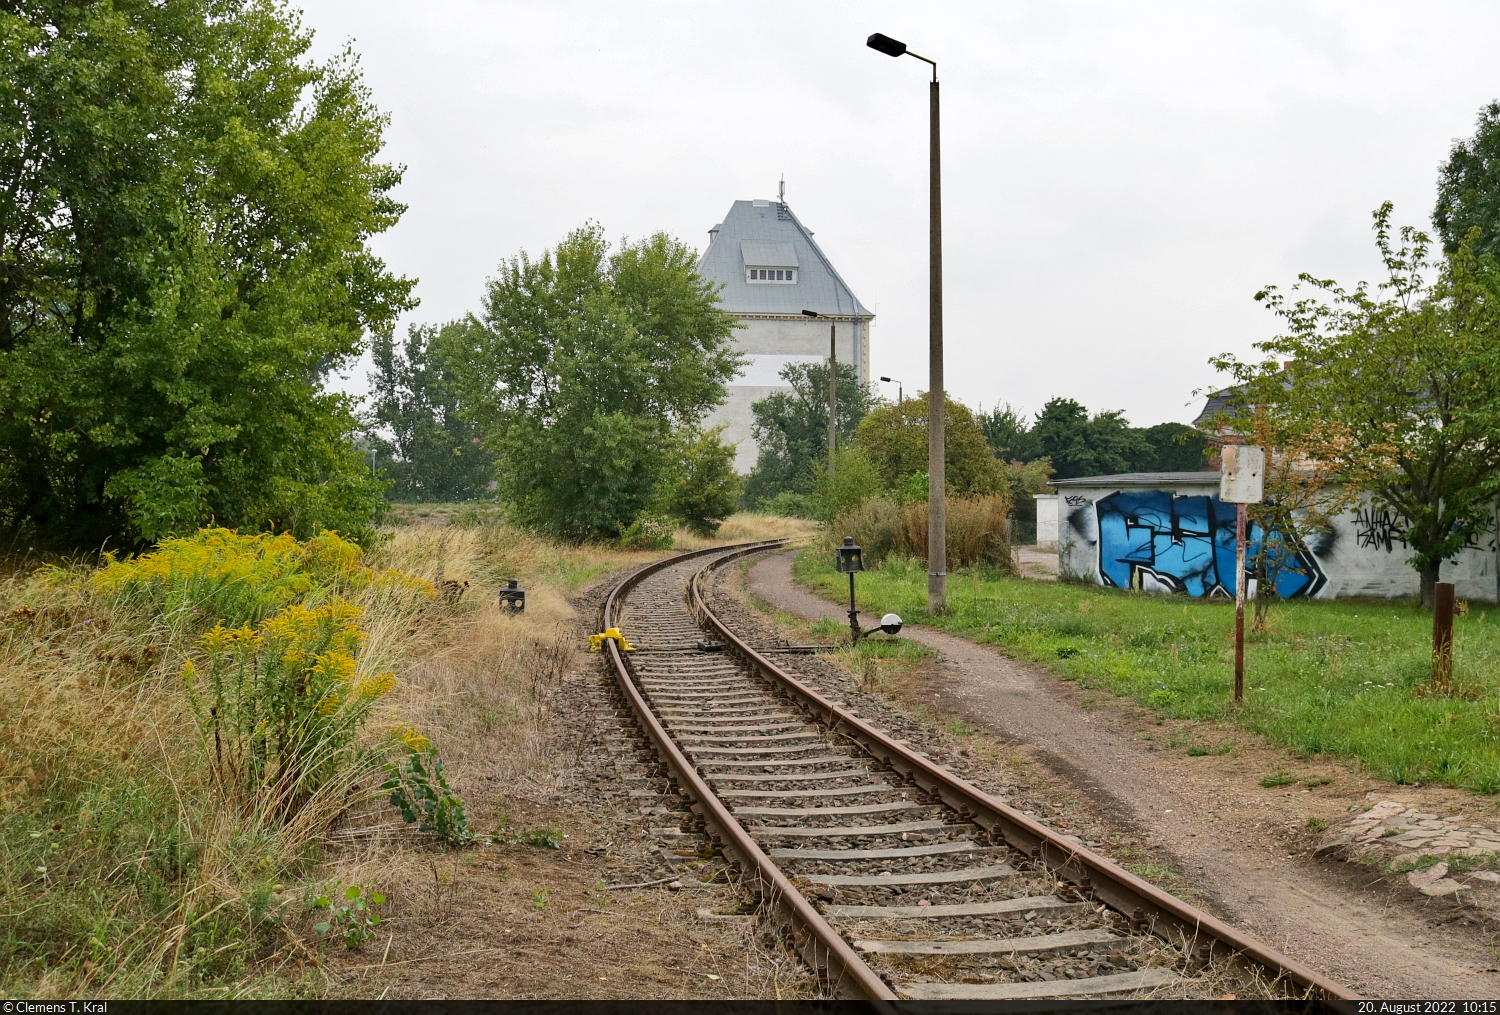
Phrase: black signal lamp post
(850, 560)
(513, 597)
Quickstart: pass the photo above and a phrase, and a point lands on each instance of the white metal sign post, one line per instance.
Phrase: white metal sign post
(1242, 481)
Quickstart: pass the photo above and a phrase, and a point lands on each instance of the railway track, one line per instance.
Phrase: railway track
(897, 878)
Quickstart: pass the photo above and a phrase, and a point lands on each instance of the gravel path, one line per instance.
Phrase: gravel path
(1227, 836)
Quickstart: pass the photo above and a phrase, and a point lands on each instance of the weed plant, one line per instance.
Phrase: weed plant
(1346, 678)
(176, 730)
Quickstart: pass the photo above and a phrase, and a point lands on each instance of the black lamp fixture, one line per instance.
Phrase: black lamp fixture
(900, 389)
(885, 44)
(513, 597)
(850, 557)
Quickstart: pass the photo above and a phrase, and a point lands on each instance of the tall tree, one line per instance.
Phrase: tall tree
(416, 424)
(1172, 447)
(185, 205)
(581, 370)
(1469, 189)
(1082, 445)
(791, 428)
(1008, 433)
(1405, 378)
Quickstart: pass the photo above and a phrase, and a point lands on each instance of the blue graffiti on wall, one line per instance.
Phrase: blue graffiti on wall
(1153, 540)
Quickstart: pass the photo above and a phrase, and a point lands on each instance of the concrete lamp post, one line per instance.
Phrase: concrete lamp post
(833, 384)
(937, 480)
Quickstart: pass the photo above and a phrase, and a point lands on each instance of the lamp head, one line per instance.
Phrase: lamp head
(850, 558)
(885, 44)
(886, 379)
(809, 313)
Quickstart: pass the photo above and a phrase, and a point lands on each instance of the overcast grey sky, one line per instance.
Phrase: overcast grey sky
(1119, 179)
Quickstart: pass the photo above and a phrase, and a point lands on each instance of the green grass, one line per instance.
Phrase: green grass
(1335, 678)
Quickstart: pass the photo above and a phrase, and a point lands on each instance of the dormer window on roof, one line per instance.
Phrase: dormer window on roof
(769, 262)
(783, 275)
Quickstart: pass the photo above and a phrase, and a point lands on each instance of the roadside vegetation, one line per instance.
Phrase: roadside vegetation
(228, 756)
(1346, 678)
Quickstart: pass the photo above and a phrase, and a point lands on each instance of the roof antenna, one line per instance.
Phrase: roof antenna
(781, 190)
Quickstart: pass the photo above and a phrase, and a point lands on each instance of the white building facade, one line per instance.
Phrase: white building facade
(771, 271)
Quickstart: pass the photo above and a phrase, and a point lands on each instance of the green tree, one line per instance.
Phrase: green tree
(185, 205)
(895, 438)
(1172, 447)
(580, 370)
(1399, 387)
(1008, 433)
(432, 452)
(703, 489)
(791, 428)
(1082, 445)
(1469, 189)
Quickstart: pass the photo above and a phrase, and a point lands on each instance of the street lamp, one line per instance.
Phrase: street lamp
(937, 496)
(900, 389)
(833, 384)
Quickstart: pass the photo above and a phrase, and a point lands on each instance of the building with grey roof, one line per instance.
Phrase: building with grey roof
(772, 270)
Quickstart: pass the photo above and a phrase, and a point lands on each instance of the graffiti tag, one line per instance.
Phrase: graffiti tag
(1076, 500)
(1378, 529)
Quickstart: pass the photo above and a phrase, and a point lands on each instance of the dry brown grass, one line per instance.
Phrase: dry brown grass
(978, 530)
(748, 527)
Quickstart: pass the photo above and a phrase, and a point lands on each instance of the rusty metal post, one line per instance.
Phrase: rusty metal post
(1442, 636)
(1239, 604)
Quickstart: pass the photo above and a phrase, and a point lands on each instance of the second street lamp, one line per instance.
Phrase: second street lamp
(833, 384)
(937, 495)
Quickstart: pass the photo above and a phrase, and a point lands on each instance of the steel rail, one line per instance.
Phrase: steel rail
(820, 945)
(1203, 937)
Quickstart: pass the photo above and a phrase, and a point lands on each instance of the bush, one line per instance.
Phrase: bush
(790, 505)
(421, 793)
(217, 574)
(854, 481)
(895, 438)
(977, 530)
(875, 526)
(647, 533)
(705, 487)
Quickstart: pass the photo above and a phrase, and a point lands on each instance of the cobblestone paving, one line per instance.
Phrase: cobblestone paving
(1398, 834)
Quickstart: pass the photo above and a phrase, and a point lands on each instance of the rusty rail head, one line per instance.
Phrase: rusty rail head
(1147, 905)
(820, 944)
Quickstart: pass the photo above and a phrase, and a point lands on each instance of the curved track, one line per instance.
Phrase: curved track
(926, 887)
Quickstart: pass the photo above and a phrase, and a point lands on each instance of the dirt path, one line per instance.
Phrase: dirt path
(1240, 847)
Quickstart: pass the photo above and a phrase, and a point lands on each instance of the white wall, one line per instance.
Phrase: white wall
(1046, 519)
(736, 412)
